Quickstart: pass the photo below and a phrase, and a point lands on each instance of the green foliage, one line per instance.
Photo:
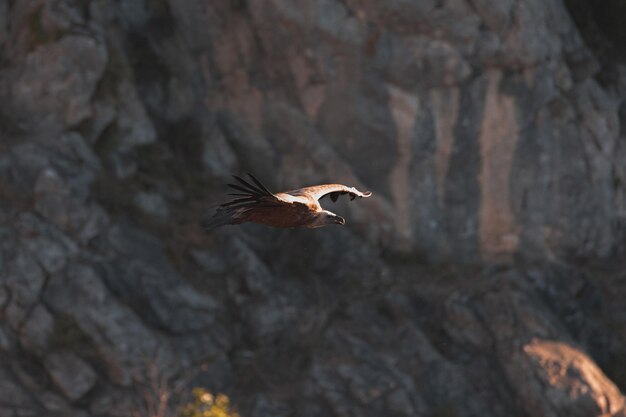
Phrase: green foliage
(205, 404)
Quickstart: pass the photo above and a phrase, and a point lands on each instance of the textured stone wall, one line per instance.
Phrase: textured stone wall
(483, 277)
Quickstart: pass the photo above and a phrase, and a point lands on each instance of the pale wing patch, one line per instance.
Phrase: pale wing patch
(288, 198)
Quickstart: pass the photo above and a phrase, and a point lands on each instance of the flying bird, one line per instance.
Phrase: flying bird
(254, 203)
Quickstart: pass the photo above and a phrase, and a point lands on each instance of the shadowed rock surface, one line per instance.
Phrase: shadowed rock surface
(483, 278)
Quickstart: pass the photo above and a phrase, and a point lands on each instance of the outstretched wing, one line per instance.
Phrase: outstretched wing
(318, 192)
(249, 195)
(253, 202)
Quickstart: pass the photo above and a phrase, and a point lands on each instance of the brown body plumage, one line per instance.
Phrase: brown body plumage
(254, 203)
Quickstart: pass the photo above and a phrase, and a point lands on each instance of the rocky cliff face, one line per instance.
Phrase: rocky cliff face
(489, 131)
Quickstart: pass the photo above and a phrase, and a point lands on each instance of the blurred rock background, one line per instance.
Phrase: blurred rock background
(484, 278)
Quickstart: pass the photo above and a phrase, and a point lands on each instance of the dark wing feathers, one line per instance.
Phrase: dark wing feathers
(249, 193)
(245, 190)
(259, 184)
(248, 197)
(246, 187)
(335, 195)
(237, 201)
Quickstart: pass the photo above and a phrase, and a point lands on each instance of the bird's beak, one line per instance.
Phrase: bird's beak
(340, 220)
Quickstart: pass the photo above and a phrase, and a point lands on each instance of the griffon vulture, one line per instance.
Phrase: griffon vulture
(254, 203)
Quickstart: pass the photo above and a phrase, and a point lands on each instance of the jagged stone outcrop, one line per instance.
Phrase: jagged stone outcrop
(490, 132)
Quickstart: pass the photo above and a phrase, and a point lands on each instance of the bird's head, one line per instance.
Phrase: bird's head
(325, 218)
